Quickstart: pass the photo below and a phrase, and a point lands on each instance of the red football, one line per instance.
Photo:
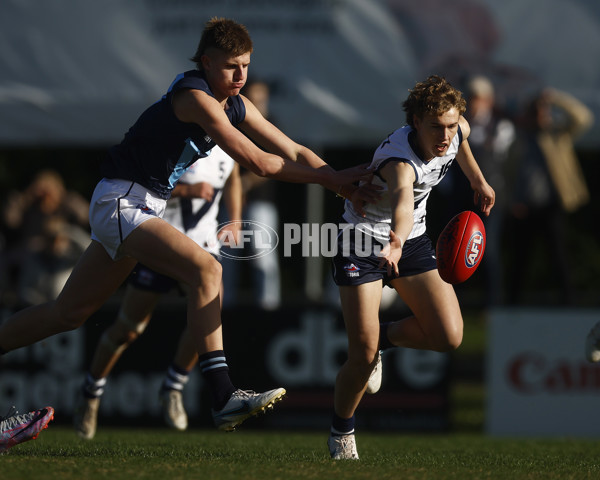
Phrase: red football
(460, 247)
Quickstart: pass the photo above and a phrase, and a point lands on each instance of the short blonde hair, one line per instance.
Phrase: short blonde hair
(433, 96)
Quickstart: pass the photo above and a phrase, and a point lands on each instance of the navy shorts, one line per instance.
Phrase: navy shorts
(150, 280)
(418, 256)
(147, 279)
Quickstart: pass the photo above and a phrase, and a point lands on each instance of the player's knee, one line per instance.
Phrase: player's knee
(449, 346)
(363, 362)
(209, 276)
(215, 271)
(448, 340)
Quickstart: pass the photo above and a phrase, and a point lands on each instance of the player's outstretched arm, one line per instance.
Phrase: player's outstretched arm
(484, 195)
(268, 136)
(198, 107)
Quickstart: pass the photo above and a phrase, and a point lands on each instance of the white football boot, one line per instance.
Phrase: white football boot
(244, 404)
(85, 417)
(173, 410)
(374, 382)
(342, 447)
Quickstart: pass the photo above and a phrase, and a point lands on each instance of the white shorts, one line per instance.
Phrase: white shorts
(117, 208)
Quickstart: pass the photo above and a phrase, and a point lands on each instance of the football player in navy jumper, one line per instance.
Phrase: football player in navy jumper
(201, 108)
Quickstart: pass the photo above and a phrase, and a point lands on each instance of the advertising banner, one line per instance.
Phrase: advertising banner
(538, 380)
(298, 349)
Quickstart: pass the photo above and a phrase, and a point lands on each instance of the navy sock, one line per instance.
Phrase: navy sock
(384, 341)
(93, 387)
(342, 426)
(216, 373)
(175, 379)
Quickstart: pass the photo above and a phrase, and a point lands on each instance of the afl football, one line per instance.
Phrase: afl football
(460, 247)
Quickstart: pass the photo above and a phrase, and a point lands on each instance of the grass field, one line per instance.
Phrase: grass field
(164, 454)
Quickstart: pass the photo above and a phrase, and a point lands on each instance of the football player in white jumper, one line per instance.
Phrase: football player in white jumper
(406, 166)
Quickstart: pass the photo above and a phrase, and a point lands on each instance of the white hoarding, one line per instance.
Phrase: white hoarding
(538, 380)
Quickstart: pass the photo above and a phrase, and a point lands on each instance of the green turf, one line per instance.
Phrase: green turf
(163, 454)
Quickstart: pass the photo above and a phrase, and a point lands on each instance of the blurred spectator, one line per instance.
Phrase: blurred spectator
(547, 184)
(259, 206)
(44, 197)
(45, 270)
(37, 222)
(492, 134)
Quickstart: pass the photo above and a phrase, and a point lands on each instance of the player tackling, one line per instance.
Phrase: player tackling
(407, 165)
(202, 108)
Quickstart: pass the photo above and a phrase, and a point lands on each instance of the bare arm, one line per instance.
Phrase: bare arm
(232, 197)
(232, 194)
(289, 161)
(202, 190)
(484, 195)
(400, 178)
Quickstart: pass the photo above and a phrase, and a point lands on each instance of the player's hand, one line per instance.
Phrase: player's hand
(485, 197)
(201, 190)
(352, 175)
(391, 254)
(229, 235)
(366, 193)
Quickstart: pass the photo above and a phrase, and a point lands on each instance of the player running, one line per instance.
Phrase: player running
(193, 210)
(201, 109)
(407, 165)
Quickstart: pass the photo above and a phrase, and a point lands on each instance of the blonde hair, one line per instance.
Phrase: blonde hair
(433, 96)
